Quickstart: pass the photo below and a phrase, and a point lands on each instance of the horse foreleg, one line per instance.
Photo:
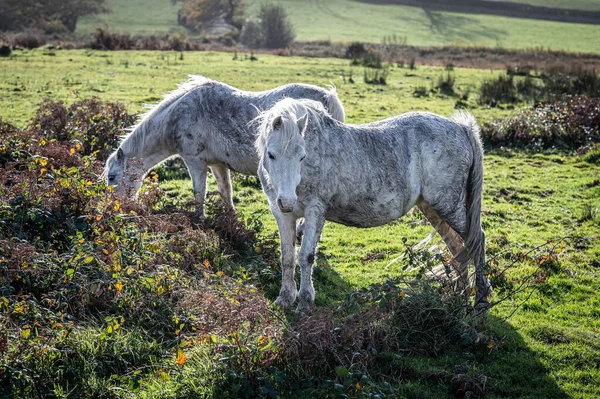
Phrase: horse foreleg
(197, 169)
(223, 178)
(314, 218)
(287, 236)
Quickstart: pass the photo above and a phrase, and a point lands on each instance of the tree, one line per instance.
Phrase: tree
(20, 14)
(196, 13)
(277, 30)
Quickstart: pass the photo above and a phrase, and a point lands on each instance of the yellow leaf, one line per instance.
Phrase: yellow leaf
(105, 252)
(164, 376)
(181, 357)
(43, 161)
(160, 290)
(358, 386)
(42, 142)
(72, 150)
(401, 293)
(25, 331)
(262, 340)
(472, 291)
(117, 206)
(98, 218)
(490, 345)
(89, 259)
(219, 273)
(119, 286)
(206, 263)
(111, 189)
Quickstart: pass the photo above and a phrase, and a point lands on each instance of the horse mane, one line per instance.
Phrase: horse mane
(290, 110)
(136, 134)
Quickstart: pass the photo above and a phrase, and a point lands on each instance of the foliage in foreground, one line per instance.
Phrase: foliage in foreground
(101, 294)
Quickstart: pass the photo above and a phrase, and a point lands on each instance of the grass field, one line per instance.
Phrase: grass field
(138, 78)
(551, 343)
(348, 20)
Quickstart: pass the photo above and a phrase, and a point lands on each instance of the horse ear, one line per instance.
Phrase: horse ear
(120, 155)
(302, 122)
(277, 122)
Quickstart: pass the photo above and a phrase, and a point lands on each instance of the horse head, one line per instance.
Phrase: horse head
(119, 173)
(282, 149)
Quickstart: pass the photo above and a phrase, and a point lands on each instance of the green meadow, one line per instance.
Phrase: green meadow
(550, 335)
(136, 78)
(350, 20)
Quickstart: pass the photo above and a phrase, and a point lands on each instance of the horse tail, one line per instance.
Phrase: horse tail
(474, 237)
(334, 105)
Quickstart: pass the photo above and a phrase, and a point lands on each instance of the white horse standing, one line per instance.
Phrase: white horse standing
(315, 167)
(207, 123)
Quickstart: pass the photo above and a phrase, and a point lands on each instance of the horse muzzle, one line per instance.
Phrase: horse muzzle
(286, 205)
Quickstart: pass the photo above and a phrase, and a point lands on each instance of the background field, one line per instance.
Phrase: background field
(551, 345)
(142, 77)
(348, 20)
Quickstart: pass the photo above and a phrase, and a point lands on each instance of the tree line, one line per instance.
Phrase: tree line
(270, 28)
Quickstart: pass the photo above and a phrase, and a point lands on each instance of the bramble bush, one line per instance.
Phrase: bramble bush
(570, 123)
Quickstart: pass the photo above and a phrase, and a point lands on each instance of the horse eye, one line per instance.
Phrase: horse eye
(302, 159)
(270, 156)
(111, 177)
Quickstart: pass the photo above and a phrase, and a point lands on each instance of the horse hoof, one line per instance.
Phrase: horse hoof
(304, 308)
(284, 302)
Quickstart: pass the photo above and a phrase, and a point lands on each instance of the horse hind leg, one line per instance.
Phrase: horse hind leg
(451, 238)
(223, 178)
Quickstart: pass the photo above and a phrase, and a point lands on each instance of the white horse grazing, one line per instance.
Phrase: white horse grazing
(207, 123)
(315, 167)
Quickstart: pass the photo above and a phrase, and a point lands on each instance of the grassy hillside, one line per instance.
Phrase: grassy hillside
(348, 20)
(144, 17)
(120, 343)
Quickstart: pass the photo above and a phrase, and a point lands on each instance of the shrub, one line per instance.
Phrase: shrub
(277, 29)
(29, 40)
(102, 39)
(355, 50)
(96, 124)
(497, 91)
(546, 87)
(252, 35)
(5, 50)
(446, 84)
(569, 124)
